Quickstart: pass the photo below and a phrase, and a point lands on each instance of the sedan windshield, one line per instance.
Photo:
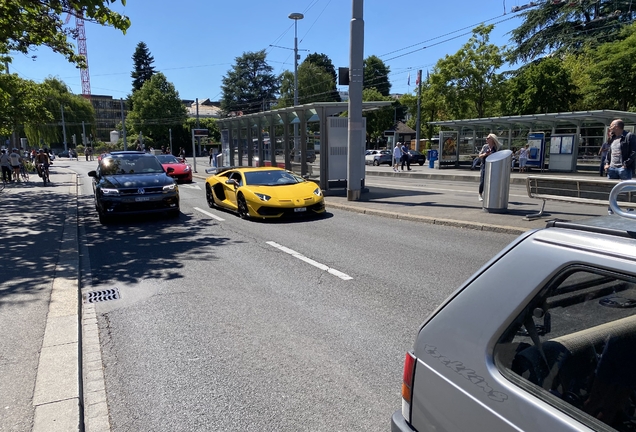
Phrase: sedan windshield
(168, 159)
(271, 178)
(115, 165)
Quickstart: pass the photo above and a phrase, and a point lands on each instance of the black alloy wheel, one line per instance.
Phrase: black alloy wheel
(209, 196)
(242, 207)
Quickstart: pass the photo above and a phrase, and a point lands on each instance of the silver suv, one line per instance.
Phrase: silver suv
(542, 337)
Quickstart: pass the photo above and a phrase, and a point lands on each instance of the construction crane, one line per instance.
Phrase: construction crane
(81, 49)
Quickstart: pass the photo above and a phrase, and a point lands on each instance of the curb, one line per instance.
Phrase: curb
(430, 220)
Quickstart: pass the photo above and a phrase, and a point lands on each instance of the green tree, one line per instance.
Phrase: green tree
(612, 76)
(568, 27)
(324, 62)
(382, 119)
(543, 86)
(376, 75)
(143, 69)
(157, 107)
(25, 24)
(314, 85)
(468, 79)
(249, 84)
(20, 103)
(55, 94)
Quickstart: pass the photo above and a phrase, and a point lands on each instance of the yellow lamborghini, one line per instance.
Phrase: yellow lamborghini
(263, 193)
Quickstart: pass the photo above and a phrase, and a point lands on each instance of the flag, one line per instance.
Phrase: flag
(408, 80)
(419, 77)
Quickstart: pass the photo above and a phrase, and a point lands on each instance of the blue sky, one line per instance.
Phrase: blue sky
(195, 42)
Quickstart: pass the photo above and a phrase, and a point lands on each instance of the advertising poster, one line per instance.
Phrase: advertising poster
(448, 146)
(536, 146)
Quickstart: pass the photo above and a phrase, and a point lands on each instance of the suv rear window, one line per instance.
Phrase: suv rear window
(574, 346)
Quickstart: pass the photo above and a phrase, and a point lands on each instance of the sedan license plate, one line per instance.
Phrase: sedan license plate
(300, 209)
(142, 198)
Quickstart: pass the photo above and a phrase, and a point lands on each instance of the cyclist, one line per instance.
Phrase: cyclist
(42, 160)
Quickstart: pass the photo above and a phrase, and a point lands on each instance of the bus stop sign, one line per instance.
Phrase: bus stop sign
(200, 132)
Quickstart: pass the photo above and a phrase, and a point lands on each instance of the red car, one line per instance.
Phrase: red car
(182, 171)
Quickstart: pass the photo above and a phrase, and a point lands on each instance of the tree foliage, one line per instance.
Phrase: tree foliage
(20, 103)
(25, 24)
(142, 63)
(314, 85)
(156, 108)
(568, 27)
(248, 84)
(432, 108)
(469, 79)
(612, 75)
(324, 62)
(543, 86)
(376, 75)
(382, 119)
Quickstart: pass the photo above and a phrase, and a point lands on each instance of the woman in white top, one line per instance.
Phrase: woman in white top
(397, 155)
(524, 152)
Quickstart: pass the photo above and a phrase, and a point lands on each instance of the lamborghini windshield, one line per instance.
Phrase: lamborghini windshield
(271, 178)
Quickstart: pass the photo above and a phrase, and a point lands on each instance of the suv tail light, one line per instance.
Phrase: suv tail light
(407, 385)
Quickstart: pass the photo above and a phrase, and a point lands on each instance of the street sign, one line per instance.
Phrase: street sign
(389, 133)
(200, 132)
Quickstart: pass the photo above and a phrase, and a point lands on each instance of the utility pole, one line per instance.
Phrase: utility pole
(355, 169)
(198, 138)
(170, 132)
(419, 104)
(63, 127)
(123, 123)
(84, 136)
(296, 16)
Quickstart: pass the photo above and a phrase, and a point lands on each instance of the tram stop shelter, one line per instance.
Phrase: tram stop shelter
(566, 140)
(267, 139)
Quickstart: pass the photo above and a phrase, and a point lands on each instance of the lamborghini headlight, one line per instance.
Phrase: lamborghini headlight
(317, 192)
(263, 197)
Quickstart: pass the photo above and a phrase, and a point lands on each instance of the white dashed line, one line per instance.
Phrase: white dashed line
(215, 217)
(310, 261)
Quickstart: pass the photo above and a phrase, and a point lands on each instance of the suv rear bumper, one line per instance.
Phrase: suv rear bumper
(398, 424)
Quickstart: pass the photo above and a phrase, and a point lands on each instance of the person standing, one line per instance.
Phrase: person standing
(6, 166)
(622, 152)
(182, 154)
(491, 146)
(405, 156)
(15, 160)
(524, 152)
(397, 156)
(603, 154)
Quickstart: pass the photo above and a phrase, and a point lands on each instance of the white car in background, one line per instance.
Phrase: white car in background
(369, 155)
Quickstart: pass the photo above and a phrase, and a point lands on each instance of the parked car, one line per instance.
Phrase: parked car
(369, 156)
(415, 157)
(131, 182)
(385, 157)
(181, 171)
(542, 337)
(63, 154)
(263, 193)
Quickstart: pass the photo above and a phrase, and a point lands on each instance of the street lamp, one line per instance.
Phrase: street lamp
(296, 16)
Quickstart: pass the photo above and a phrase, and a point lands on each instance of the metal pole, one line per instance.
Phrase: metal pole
(84, 140)
(296, 17)
(198, 138)
(63, 127)
(419, 104)
(123, 123)
(355, 171)
(170, 131)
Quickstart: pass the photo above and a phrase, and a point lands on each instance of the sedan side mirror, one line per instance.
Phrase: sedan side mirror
(170, 170)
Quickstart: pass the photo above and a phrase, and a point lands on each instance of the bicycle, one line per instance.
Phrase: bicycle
(44, 170)
(24, 174)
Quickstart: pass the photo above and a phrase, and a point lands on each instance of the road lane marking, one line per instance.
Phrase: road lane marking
(209, 214)
(190, 186)
(310, 261)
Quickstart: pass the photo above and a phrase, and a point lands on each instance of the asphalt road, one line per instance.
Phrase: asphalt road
(227, 324)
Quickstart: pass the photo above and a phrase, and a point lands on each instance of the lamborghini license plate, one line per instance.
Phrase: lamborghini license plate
(300, 209)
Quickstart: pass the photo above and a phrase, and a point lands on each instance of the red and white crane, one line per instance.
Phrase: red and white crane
(81, 50)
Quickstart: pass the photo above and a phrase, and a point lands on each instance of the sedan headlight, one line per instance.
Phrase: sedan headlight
(263, 197)
(109, 191)
(317, 192)
(169, 188)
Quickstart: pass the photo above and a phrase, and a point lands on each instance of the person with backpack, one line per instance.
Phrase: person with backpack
(621, 156)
